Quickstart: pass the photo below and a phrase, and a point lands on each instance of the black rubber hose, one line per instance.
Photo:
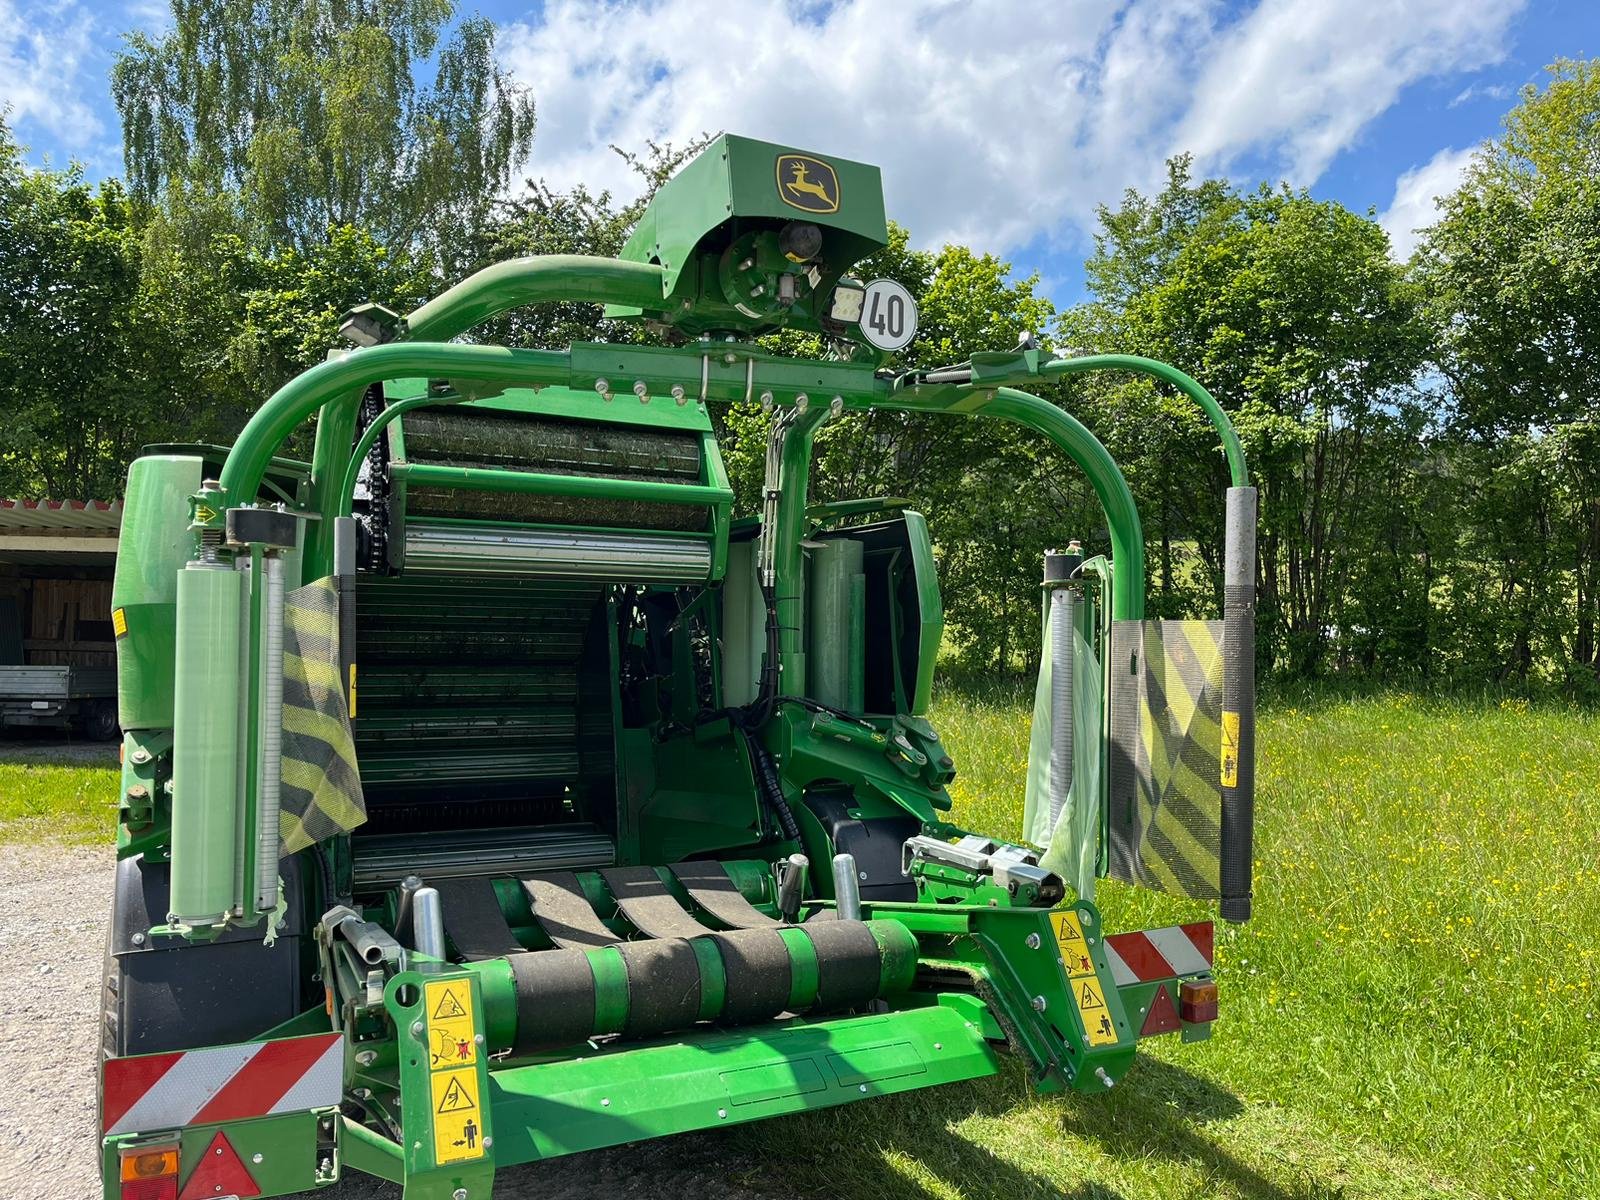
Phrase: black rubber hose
(766, 775)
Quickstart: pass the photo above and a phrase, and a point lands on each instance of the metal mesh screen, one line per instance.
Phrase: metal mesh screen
(1165, 814)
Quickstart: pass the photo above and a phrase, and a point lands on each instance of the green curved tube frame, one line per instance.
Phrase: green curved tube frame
(1075, 440)
(521, 281)
(1167, 374)
(344, 377)
(364, 446)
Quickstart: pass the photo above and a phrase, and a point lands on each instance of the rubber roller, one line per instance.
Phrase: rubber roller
(645, 988)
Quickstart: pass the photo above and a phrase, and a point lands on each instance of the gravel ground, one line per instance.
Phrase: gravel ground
(49, 745)
(53, 900)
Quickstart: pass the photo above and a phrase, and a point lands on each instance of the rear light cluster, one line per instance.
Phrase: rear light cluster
(149, 1172)
(1197, 1000)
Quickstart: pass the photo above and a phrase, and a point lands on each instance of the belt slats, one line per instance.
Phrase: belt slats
(474, 920)
(648, 905)
(710, 886)
(564, 912)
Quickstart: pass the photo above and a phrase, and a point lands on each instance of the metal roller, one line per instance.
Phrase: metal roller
(555, 554)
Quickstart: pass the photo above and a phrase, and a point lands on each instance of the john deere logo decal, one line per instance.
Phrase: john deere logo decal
(807, 183)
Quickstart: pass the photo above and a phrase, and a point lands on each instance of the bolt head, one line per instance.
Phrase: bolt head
(138, 939)
(459, 1194)
(1038, 1004)
(417, 1029)
(367, 1057)
(256, 1158)
(478, 1038)
(602, 385)
(1033, 941)
(678, 393)
(605, 1102)
(722, 1114)
(488, 1142)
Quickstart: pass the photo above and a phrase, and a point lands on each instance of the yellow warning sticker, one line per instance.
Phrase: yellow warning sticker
(452, 1034)
(1091, 1002)
(1070, 943)
(1230, 749)
(119, 622)
(457, 1116)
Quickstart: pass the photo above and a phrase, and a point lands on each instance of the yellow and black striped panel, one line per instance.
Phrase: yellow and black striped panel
(1164, 824)
(321, 793)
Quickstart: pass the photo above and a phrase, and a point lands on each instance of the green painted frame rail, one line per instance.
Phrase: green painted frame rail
(508, 285)
(486, 479)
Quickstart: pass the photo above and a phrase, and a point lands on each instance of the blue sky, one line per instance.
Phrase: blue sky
(1001, 123)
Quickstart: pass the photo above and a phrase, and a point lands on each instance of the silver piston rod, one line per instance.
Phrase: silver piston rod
(269, 792)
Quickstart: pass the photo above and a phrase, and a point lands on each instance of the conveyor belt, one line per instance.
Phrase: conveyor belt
(474, 921)
(679, 973)
(563, 912)
(647, 904)
(711, 888)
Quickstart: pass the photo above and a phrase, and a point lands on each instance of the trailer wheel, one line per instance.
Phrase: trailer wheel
(100, 720)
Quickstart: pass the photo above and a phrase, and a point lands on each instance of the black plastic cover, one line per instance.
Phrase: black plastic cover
(165, 993)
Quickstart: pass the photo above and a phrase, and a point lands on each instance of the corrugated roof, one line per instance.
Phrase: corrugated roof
(60, 516)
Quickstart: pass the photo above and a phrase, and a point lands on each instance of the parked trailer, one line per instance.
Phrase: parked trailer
(494, 791)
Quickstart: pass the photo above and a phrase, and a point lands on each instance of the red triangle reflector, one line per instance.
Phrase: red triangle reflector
(1162, 1017)
(220, 1172)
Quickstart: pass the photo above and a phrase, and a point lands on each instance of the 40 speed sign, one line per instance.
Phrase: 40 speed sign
(888, 315)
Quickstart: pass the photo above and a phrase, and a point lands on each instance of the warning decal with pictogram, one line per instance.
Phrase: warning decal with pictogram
(452, 1033)
(457, 1116)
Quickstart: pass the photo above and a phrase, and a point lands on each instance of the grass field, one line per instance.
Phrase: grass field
(44, 794)
(1413, 1012)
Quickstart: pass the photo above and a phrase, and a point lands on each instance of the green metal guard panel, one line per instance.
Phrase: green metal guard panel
(604, 1100)
(737, 177)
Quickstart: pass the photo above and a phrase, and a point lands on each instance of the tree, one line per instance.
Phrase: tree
(309, 115)
(1515, 298)
(81, 383)
(1291, 312)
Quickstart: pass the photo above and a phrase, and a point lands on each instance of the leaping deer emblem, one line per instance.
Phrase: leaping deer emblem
(805, 186)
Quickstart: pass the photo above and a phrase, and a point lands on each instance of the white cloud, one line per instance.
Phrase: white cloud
(44, 49)
(1494, 91)
(997, 122)
(1414, 194)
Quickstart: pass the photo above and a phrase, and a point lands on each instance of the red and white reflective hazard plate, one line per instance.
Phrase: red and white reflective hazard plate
(222, 1083)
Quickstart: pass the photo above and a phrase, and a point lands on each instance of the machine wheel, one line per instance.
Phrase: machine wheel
(100, 720)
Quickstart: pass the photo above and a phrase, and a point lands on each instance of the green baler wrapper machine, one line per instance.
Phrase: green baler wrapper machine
(492, 791)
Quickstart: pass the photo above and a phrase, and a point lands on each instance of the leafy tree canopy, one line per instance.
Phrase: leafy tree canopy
(307, 114)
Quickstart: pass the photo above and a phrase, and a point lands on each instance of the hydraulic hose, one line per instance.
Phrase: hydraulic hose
(766, 776)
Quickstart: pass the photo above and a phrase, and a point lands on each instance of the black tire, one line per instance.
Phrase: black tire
(110, 1031)
(100, 720)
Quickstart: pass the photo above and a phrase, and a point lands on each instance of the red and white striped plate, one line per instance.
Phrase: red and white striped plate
(1153, 954)
(222, 1083)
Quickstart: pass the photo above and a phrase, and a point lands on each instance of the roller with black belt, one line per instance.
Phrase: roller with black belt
(646, 988)
(657, 966)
